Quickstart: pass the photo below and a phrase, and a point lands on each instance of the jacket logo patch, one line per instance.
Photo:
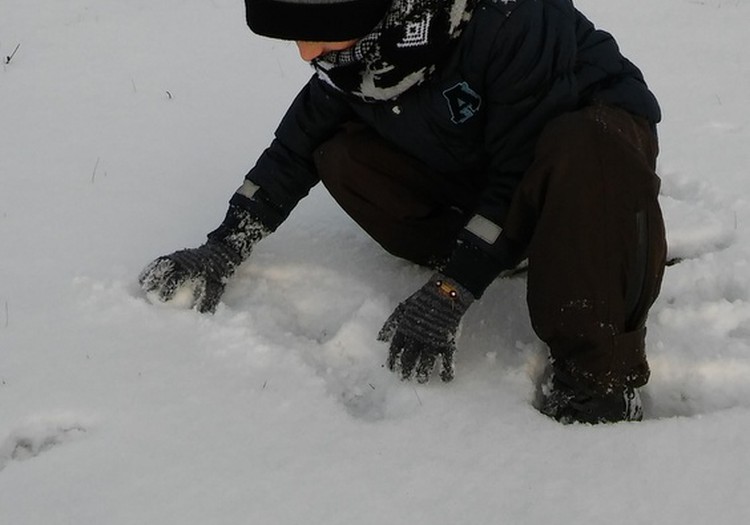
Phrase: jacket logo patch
(463, 102)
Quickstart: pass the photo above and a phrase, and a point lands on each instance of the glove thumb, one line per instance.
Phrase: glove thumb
(391, 324)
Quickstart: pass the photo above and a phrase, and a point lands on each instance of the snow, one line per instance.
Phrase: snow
(126, 126)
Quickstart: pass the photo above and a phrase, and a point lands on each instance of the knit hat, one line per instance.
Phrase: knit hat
(315, 20)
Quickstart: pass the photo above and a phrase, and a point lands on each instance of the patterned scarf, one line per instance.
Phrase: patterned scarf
(400, 53)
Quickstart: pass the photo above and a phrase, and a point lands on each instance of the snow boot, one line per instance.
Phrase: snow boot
(566, 401)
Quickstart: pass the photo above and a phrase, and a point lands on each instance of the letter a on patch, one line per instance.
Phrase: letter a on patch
(463, 102)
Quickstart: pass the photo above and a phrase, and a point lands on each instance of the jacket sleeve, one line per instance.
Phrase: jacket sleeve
(605, 75)
(530, 80)
(285, 173)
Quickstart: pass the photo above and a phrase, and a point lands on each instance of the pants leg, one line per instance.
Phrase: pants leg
(411, 212)
(587, 209)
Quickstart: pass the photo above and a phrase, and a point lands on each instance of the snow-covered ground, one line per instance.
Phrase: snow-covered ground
(124, 129)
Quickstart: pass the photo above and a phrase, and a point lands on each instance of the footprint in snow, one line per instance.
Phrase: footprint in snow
(35, 437)
(699, 330)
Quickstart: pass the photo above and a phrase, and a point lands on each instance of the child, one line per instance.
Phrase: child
(467, 135)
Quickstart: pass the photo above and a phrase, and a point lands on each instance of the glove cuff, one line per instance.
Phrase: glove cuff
(239, 231)
(444, 287)
(481, 254)
(256, 201)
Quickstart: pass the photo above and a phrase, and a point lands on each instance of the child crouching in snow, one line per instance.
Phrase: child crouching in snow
(466, 135)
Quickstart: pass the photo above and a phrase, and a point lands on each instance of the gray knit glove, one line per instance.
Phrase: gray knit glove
(423, 328)
(198, 276)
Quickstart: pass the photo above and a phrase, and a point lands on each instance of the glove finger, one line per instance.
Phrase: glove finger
(155, 273)
(394, 352)
(165, 283)
(425, 366)
(410, 353)
(208, 294)
(391, 324)
(448, 372)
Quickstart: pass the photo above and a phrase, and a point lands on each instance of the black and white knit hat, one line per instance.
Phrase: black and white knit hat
(315, 20)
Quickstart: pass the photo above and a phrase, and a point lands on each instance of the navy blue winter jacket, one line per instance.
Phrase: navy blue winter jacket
(517, 65)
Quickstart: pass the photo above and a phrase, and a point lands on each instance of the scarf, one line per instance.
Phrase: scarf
(399, 53)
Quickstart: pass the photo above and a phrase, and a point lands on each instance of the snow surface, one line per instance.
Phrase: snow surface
(124, 129)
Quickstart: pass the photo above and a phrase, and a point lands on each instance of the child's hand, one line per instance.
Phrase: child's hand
(423, 329)
(191, 278)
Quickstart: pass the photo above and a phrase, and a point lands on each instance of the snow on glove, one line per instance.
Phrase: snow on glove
(196, 277)
(423, 328)
(201, 273)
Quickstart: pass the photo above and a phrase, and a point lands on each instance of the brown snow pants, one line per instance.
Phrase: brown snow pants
(586, 210)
